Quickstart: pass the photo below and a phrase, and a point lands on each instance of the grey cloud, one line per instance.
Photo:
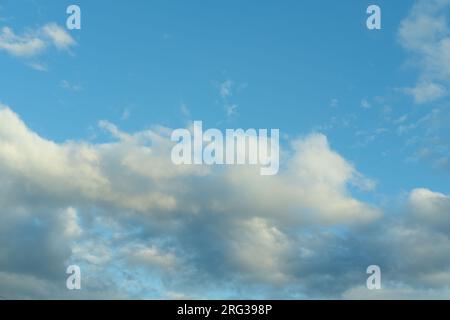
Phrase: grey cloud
(125, 214)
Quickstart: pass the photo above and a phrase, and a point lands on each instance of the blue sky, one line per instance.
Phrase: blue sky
(376, 99)
(288, 63)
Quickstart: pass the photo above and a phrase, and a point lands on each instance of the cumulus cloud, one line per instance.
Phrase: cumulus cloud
(260, 250)
(133, 180)
(431, 207)
(142, 227)
(150, 257)
(412, 250)
(395, 292)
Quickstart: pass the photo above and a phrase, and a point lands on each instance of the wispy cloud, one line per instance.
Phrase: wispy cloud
(58, 36)
(34, 42)
(71, 87)
(365, 104)
(426, 91)
(26, 45)
(184, 110)
(38, 66)
(226, 88)
(334, 103)
(231, 110)
(425, 34)
(126, 113)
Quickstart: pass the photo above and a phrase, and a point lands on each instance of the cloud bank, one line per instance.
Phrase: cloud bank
(141, 227)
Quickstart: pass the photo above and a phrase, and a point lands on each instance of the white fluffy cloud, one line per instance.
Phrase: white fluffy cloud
(431, 207)
(125, 213)
(260, 251)
(132, 180)
(132, 176)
